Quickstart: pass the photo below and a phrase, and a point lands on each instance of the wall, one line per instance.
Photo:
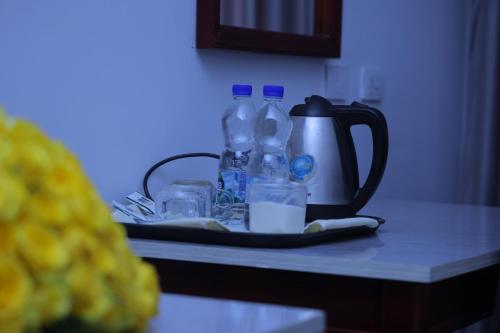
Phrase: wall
(121, 83)
(419, 45)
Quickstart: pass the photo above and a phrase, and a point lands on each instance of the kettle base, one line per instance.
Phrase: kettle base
(325, 212)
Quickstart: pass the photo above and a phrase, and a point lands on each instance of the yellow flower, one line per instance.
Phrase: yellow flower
(61, 253)
(41, 248)
(15, 293)
(20, 131)
(78, 242)
(30, 162)
(147, 298)
(91, 298)
(12, 196)
(98, 220)
(104, 259)
(64, 178)
(48, 209)
(147, 278)
(117, 319)
(8, 238)
(52, 300)
(6, 149)
(3, 120)
(115, 233)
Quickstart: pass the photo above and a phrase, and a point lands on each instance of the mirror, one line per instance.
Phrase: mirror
(290, 16)
(299, 27)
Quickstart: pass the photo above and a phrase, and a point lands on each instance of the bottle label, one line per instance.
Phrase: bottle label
(235, 183)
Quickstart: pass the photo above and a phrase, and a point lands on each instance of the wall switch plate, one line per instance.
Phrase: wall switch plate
(371, 85)
(337, 82)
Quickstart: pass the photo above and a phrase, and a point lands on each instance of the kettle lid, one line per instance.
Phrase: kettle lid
(315, 106)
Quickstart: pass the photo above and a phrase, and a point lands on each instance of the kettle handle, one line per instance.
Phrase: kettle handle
(360, 114)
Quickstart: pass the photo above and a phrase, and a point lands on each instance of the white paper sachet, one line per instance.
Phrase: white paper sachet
(322, 225)
(122, 217)
(141, 201)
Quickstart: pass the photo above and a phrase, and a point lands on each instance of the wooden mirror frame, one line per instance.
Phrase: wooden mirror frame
(325, 42)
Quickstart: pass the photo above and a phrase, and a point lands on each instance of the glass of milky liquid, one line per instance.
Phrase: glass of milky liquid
(277, 207)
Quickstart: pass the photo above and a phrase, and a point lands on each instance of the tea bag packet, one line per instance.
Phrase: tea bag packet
(146, 205)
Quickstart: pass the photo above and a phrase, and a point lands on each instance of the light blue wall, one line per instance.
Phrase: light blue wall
(419, 45)
(121, 83)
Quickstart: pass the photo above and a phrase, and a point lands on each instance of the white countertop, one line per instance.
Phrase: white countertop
(420, 242)
(187, 314)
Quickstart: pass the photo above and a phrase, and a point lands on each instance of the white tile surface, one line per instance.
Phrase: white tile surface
(187, 314)
(420, 242)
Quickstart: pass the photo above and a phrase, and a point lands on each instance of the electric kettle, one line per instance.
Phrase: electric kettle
(322, 156)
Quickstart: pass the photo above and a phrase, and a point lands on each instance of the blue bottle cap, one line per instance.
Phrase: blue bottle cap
(273, 91)
(242, 90)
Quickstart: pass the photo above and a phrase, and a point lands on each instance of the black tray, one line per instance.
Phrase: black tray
(246, 239)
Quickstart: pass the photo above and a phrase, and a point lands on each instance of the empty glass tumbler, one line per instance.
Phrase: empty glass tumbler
(206, 187)
(182, 201)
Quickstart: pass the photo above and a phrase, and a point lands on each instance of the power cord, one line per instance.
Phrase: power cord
(167, 160)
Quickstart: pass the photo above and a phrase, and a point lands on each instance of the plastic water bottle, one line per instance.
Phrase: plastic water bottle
(273, 127)
(238, 127)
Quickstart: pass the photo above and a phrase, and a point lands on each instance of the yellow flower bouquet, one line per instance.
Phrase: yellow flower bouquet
(65, 265)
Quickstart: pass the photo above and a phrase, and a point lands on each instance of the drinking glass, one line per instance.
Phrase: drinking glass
(181, 201)
(207, 189)
(277, 207)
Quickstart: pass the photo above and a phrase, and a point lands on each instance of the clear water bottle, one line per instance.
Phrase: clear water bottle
(273, 127)
(238, 127)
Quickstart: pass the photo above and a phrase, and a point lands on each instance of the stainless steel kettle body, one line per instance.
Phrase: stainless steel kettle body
(322, 156)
